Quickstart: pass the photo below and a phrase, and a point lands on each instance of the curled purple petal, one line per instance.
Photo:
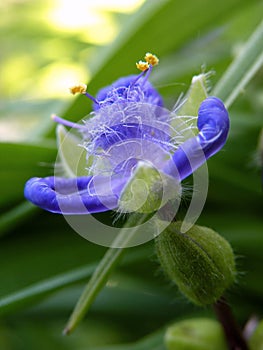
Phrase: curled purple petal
(125, 90)
(213, 125)
(82, 195)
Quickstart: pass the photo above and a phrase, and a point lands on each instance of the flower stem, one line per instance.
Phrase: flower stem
(242, 69)
(101, 275)
(232, 332)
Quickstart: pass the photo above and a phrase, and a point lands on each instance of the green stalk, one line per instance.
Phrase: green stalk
(102, 272)
(242, 69)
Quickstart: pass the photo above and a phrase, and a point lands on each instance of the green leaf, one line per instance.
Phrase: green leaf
(15, 216)
(26, 120)
(37, 291)
(156, 21)
(19, 162)
(243, 68)
(34, 292)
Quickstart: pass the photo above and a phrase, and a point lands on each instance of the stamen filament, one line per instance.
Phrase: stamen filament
(82, 89)
(90, 97)
(66, 122)
(137, 78)
(148, 72)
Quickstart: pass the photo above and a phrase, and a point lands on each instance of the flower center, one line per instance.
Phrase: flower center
(128, 124)
(120, 135)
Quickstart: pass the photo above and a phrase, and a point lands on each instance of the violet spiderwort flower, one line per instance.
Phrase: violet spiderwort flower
(129, 127)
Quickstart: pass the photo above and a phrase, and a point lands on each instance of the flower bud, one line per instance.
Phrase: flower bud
(256, 340)
(200, 262)
(195, 334)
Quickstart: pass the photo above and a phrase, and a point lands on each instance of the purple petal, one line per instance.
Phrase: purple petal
(213, 125)
(123, 90)
(128, 131)
(82, 195)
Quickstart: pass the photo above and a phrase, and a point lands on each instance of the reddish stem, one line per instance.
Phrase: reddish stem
(232, 332)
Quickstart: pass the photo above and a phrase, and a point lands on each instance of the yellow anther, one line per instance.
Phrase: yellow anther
(151, 59)
(80, 88)
(141, 65)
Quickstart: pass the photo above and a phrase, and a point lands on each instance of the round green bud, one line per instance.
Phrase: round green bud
(195, 334)
(256, 340)
(200, 262)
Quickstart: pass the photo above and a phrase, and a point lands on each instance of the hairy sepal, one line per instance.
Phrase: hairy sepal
(148, 190)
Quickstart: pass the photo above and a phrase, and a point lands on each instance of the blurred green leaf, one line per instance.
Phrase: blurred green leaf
(39, 290)
(15, 216)
(166, 28)
(242, 70)
(19, 162)
(26, 121)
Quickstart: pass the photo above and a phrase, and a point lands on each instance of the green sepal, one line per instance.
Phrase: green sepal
(72, 156)
(148, 190)
(195, 334)
(195, 95)
(200, 262)
(186, 120)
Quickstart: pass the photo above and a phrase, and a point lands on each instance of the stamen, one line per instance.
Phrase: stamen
(66, 122)
(80, 88)
(146, 67)
(143, 66)
(151, 59)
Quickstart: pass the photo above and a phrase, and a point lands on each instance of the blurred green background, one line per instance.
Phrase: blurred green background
(45, 47)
